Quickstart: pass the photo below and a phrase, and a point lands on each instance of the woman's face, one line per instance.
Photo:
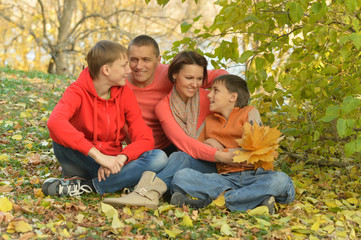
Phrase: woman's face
(188, 80)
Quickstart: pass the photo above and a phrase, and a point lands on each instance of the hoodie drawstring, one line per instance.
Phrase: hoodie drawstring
(118, 122)
(95, 134)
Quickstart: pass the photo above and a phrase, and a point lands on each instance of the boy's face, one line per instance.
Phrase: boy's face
(118, 71)
(221, 100)
(143, 62)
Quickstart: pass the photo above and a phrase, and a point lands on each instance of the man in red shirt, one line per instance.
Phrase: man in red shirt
(149, 82)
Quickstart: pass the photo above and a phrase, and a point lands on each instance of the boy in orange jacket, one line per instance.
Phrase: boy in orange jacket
(243, 186)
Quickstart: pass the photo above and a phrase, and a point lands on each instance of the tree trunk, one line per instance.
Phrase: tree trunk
(63, 37)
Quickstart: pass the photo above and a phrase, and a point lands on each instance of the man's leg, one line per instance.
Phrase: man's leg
(154, 160)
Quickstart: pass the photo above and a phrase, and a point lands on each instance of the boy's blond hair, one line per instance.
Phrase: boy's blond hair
(104, 52)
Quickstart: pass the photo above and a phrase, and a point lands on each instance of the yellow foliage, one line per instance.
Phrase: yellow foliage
(220, 201)
(5, 205)
(261, 210)
(187, 221)
(4, 158)
(19, 226)
(259, 144)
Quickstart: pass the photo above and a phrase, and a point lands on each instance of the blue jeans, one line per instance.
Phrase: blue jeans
(244, 190)
(74, 163)
(180, 160)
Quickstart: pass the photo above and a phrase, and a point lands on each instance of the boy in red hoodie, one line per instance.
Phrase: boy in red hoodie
(87, 129)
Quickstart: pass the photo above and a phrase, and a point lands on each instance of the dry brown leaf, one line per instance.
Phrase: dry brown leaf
(35, 159)
(6, 188)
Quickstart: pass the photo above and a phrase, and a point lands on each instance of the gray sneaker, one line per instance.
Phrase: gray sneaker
(270, 203)
(179, 199)
(71, 186)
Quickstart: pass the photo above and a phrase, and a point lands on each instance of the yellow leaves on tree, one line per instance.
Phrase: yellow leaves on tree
(259, 144)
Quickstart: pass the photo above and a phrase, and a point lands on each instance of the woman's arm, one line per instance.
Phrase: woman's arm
(178, 137)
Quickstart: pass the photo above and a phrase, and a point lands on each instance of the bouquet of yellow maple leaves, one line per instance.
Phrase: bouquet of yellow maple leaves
(259, 144)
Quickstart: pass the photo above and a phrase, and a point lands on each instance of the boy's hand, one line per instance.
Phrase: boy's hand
(225, 157)
(102, 172)
(113, 163)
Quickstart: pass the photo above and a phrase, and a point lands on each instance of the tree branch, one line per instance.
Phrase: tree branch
(318, 160)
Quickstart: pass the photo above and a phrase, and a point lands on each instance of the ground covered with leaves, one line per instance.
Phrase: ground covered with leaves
(327, 204)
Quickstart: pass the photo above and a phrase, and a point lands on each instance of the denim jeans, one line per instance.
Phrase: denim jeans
(180, 160)
(74, 163)
(244, 190)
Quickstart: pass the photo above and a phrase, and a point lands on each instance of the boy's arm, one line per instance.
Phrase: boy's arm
(254, 117)
(141, 136)
(61, 130)
(213, 143)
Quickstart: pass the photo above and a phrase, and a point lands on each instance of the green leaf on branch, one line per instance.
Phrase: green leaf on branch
(269, 85)
(356, 39)
(353, 146)
(351, 5)
(185, 27)
(345, 126)
(295, 11)
(245, 55)
(349, 104)
(332, 112)
(162, 2)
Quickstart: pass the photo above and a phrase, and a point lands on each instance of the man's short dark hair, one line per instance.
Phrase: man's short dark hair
(145, 40)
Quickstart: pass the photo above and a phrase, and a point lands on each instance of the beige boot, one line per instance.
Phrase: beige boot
(146, 193)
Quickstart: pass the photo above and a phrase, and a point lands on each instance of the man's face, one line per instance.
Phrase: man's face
(143, 61)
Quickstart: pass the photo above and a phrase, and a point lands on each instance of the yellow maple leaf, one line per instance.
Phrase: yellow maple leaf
(187, 221)
(220, 201)
(5, 205)
(259, 144)
(265, 165)
(19, 226)
(257, 137)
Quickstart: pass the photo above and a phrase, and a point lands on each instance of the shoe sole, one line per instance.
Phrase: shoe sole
(114, 203)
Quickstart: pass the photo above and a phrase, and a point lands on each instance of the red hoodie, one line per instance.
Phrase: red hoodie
(82, 120)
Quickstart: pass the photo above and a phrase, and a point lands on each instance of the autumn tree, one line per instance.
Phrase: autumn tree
(301, 60)
(57, 33)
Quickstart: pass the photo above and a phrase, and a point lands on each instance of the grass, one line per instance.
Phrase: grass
(327, 204)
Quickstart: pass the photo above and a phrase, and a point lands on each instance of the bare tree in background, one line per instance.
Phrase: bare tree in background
(65, 29)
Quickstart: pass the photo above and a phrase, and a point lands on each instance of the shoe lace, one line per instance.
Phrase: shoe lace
(75, 189)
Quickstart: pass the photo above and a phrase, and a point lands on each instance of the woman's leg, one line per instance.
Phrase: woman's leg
(180, 160)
